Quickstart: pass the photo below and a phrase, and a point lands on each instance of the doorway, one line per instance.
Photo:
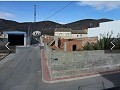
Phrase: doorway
(16, 39)
(74, 47)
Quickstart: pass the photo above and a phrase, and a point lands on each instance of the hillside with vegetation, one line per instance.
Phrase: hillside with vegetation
(48, 27)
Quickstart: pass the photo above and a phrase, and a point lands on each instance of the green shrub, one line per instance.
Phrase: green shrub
(104, 43)
(88, 46)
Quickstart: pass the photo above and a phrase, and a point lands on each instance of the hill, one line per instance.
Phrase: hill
(48, 27)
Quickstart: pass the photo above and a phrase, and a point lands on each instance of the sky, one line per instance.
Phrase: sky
(23, 11)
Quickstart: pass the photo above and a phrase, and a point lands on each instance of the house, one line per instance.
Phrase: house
(68, 40)
(67, 33)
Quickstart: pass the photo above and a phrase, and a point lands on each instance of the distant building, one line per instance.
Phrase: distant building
(68, 40)
(104, 28)
(67, 33)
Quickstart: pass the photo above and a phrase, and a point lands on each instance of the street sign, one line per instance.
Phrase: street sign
(36, 33)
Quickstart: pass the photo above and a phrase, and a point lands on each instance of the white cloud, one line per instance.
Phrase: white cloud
(101, 5)
(6, 15)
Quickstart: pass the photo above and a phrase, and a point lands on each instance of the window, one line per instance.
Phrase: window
(67, 34)
(77, 35)
(60, 34)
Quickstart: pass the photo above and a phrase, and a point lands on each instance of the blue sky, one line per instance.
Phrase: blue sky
(22, 11)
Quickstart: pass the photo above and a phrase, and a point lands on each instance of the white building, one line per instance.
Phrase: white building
(67, 33)
(104, 28)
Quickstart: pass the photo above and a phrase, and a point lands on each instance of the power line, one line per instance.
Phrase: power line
(59, 10)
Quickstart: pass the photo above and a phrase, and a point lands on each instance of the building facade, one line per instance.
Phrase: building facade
(67, 33)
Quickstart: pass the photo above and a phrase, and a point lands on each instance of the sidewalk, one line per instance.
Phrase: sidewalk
(47, 79)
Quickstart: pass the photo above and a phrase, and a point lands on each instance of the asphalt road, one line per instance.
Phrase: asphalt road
(22, 71)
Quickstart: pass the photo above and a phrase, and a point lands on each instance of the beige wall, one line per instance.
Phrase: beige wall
(65, 35)
(79, 35)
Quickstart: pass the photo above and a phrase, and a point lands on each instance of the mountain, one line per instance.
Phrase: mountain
(86, 23)
(48, 27)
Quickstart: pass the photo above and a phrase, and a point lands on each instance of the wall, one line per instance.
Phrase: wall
(46, 39)
(90, 40)
(69, 45)
(82, 62)
(65, 35)
(79, 35)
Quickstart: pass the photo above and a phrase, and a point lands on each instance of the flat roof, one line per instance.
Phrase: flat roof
(14, 32)
(70, 30)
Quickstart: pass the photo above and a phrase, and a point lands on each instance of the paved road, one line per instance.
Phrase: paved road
(22, 71)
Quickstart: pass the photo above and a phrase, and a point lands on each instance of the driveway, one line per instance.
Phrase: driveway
(20, 71)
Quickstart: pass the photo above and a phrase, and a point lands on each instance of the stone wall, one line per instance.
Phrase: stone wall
(65, 64)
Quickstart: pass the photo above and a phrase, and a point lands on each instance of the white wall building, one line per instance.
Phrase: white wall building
(67, 33)
(104, 28)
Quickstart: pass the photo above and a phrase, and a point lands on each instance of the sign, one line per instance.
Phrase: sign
(36, 33)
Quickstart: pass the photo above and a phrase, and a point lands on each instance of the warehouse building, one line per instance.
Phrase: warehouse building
(15, 37)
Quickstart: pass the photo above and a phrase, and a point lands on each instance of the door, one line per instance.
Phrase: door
(16, 39)
(74, 47)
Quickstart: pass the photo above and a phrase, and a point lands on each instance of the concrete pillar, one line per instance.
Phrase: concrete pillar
(25, 41)
(41, 41)
(65, 46)
(56, 41)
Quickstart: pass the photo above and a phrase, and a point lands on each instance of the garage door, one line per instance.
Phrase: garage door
(16, 39)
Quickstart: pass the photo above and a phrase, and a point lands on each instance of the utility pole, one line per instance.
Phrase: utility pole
(29, 36)
(34, 15)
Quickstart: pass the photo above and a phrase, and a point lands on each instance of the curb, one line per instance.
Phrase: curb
(43, 57)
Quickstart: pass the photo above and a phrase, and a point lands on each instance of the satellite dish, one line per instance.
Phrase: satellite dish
(36, 33)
